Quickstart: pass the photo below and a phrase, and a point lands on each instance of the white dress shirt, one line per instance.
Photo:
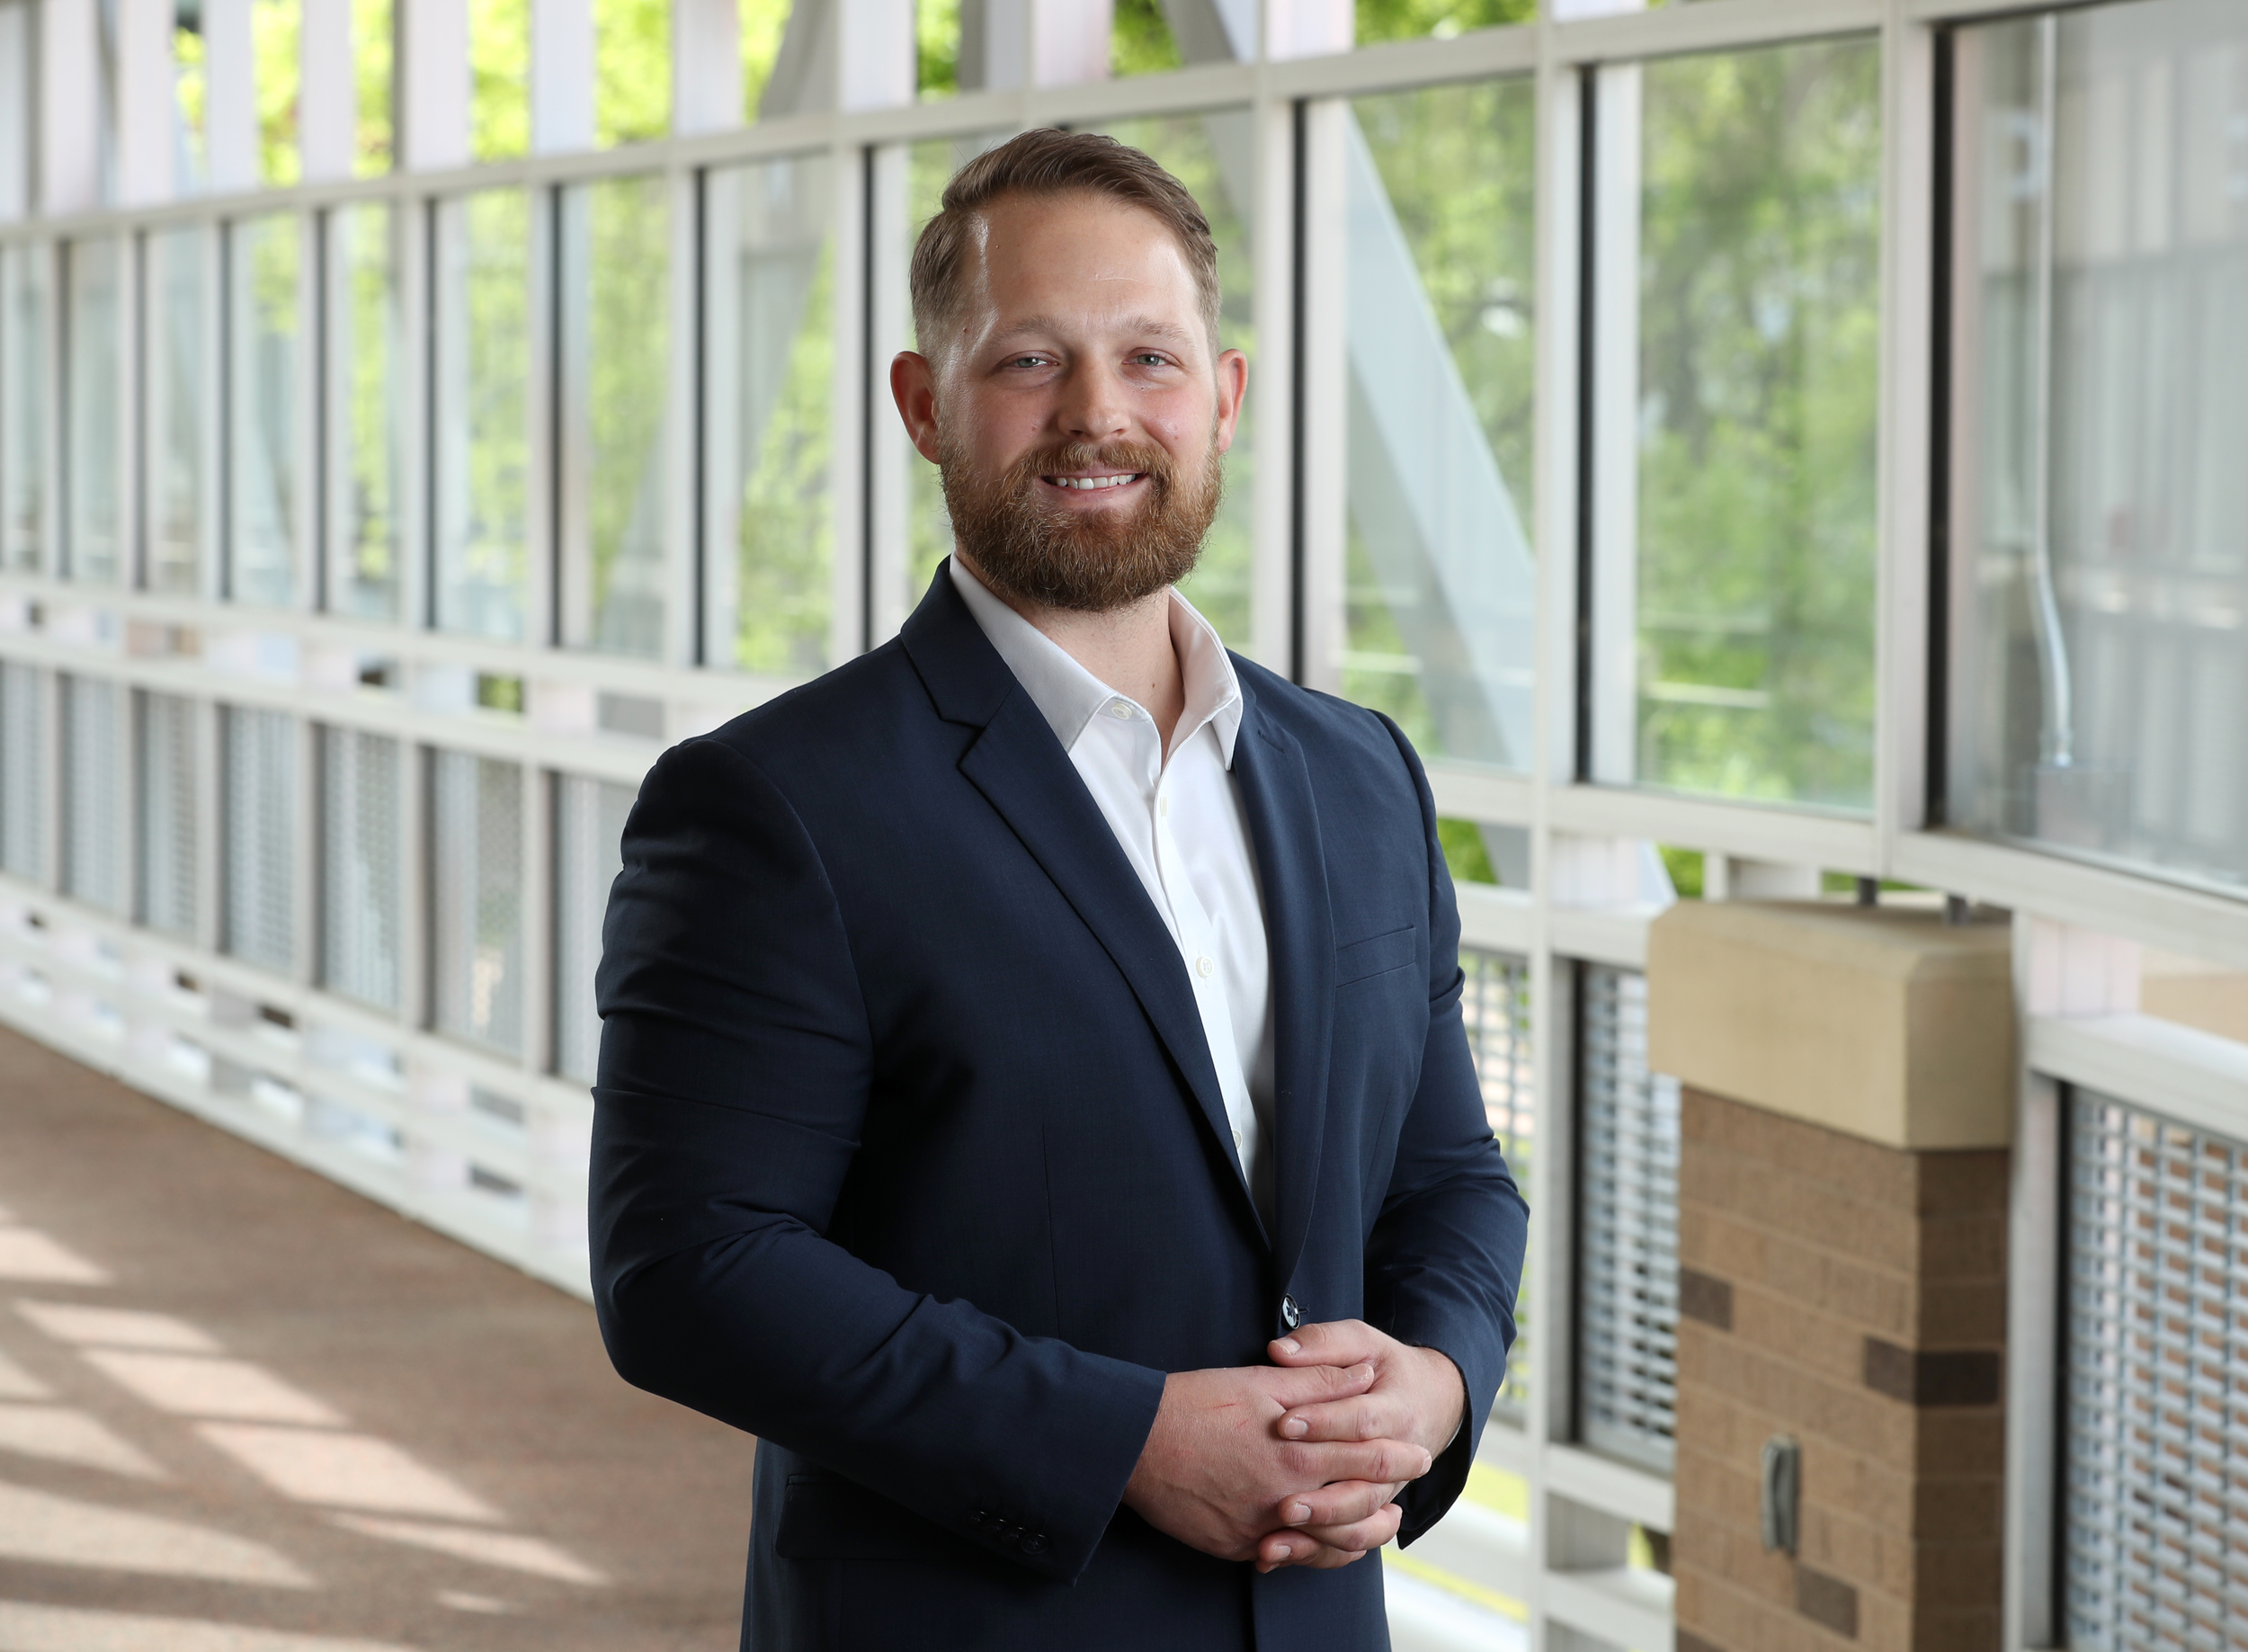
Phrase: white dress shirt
(1178, 820)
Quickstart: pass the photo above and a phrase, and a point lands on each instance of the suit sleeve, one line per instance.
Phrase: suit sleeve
(735, 1072)
(1444, 1264)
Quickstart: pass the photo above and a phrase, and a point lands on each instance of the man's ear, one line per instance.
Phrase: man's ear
(1232, 369)
(913, 386)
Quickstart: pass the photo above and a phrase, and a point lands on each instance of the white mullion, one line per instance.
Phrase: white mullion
(305, 440)
(327, 91)
(1903, 455)
(230, 135)
(550, 482)
(1272, 391)
(132, 267)
(68, 106)
(414, 1008)
(1615, 424)
(210, 399)
(681, 441)
(536, 902)
(2035, 1238)
(418, 299)
(562, 48)
(210, 818)
(432, 79)
(146, 104)
(1711, 25)
(889, 455)
(304, 864)
(848, 410)
(1323, 489)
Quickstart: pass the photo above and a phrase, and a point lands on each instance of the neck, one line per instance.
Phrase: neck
(1129, 647)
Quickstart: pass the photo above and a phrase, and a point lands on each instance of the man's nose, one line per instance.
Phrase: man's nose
(1093, 404)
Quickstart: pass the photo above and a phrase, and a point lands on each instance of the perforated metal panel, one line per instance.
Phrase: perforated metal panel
(589, 823)
(1495, 1006)
(2157, 1446)
(259, 837)
(1627, 1225)
(94, 824)
(476, 867)
(23, 770)
(360, 865)
(167, 802)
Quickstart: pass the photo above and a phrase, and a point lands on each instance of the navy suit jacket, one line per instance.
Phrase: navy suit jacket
(909, 1156)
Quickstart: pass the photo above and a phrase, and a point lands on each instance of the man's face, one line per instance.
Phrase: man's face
(1075, 410)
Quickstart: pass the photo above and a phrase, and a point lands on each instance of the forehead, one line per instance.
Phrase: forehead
(1076, 253)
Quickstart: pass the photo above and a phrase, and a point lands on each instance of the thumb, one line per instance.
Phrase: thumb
(1309, 1384)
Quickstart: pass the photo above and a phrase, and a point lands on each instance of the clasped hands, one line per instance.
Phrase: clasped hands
(1299, 1462)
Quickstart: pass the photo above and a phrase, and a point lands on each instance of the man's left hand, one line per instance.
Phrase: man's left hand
(1417, 1396)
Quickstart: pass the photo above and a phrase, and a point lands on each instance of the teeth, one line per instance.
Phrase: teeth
(1090, 481)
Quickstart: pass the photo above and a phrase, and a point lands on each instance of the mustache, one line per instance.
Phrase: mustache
(1143, 458)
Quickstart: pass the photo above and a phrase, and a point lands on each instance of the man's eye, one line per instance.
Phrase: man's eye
(1148, 358)
(1028, 361)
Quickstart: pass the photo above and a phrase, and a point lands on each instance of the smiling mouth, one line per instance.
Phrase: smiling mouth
(1090, 483)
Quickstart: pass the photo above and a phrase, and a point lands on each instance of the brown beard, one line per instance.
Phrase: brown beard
(1092, 563)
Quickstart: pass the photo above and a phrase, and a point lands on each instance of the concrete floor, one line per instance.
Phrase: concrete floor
(294, 1422)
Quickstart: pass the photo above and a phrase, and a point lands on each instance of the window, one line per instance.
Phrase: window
(169, 793)
(23, 790)
(258, 837)
(1494, 1007)
(94, 865)
(2100, 506)
(476, 887)
(24, 344)
(96, 403)
(589, 825)
(1734, 465)
(178, 391)
(266, 425)
(360, 868)
(1439, 587)
(366, 360)
(484, 413)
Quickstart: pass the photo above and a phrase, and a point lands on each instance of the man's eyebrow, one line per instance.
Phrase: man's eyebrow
(1146, 327)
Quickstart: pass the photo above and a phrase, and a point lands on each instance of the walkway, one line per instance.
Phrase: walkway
(243, 1410)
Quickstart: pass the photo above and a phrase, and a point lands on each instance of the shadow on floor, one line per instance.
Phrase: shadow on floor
(243, 1410)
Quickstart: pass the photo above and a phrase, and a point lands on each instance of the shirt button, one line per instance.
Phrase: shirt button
(1206, 966)
(1117, 709)
(1162, 808)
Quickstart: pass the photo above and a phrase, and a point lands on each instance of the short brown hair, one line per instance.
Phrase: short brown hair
(1046, 162)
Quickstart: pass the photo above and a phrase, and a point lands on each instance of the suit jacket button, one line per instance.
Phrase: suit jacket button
(1292, 1316)
(1034, 1544)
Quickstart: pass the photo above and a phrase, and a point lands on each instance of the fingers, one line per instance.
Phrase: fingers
(1342, 1503)
(1322, 1462)
(1313, 1384)
(1383, 1415)
(1325, 1548)
(1337, 1341)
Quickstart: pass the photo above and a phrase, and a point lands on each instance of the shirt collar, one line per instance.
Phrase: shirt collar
(1069, 697)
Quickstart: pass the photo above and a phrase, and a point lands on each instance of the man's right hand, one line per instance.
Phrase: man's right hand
(1215, 1471)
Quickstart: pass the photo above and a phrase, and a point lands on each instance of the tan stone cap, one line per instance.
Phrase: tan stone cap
(1882, 1022)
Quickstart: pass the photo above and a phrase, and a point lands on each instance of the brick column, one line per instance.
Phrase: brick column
(1849, 1085)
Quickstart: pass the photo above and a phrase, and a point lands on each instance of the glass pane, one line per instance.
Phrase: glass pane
(1215, 156)
(771, 360)
(1758, 312)
(1440, 586)
(178, 381)
(1494, 1008)
(616, 356)
(95, 390)
(94, 781)
(476, 887)
(929, 167)
(168, 806)
(24, 345)
(259, 835)
(365, 358)
(2100, 578)
(23, 772)
(1445, 20)
(589, 829)
(484, 326)
(266, 425)
(359, 867)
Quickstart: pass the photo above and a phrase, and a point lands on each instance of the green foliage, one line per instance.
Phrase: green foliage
(1411, 20)
(1139, 40)
(274, 29)
(1686, 867)
(371, 49)
(500, 693)
(1759, 313)
(499, 66)
(633, 70)
(1463, 850)
(788, 530)
(936, 47)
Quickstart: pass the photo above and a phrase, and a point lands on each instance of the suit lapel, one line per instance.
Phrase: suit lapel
(1276, 794)
(1022, 769)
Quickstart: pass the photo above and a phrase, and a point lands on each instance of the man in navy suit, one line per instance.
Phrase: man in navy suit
(1033, 1096)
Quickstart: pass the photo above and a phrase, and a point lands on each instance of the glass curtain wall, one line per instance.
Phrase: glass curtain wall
(484, 413)
(177, 385)
(2099, 418)
(1439, 583)
(616, 372)
(94, 865)
(769, 355)
(476, 897)
(258, 836)
(360, 868)
(1739, 477)
(167, 802)
(589, 830)
(367, 406)
(93, 352)
(26, 286)
(266, 424)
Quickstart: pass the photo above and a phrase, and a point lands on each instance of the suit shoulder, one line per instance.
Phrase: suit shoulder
(1329, 727)
(835, 711)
